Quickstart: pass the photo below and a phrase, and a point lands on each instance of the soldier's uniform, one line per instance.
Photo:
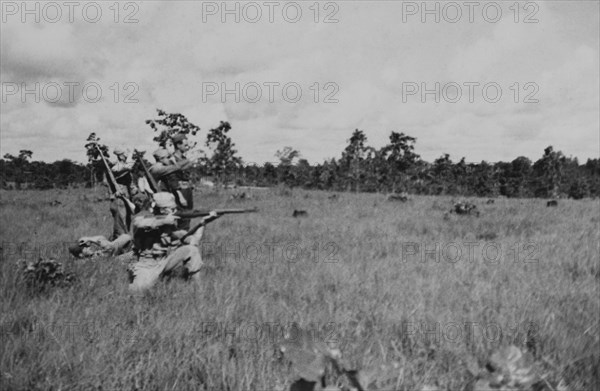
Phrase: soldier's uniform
(119, 210)
(181, 179)
(174, 178)
(162, 167)
(157, 246)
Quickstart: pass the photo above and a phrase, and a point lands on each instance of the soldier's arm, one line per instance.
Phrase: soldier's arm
(179, 165)
(154, 222)
(184, 164)
(178, 234)
(119, 167)
(159, 170)
(211, 217)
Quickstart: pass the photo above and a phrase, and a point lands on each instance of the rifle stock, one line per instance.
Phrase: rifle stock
(202, 213)
(192, 231)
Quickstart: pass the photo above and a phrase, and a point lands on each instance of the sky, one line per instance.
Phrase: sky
(510, 80)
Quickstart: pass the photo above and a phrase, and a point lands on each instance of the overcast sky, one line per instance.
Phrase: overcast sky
(368, 64)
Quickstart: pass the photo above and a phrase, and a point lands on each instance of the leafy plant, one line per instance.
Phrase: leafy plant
(169, 124)
(508, 369)
(314, 362)
(93, 150)
(465, 208)
(224, 159)
(44, 273)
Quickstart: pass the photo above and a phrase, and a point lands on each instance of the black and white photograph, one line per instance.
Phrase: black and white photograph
(310, 195)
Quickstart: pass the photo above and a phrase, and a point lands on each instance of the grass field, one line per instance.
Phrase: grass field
(359, 272)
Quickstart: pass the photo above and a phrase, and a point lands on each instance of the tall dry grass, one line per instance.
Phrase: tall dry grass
(351, 272)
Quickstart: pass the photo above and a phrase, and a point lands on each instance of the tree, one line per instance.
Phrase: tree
(549, 170)
(483, 182)
(20, 165)
(287, 155)
(328, 175)
(443, 175)
(169, 124)
(591, 170)
(285, 172)
(302, 174)
(95, 165)
(25, 154)
(399, 157)
(21, 159)
(517, 177)
(269, 174)
(579, 189)
(353, 157)
(461, 173)
(223, 161)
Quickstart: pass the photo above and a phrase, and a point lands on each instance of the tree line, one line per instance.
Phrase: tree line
(395, 167)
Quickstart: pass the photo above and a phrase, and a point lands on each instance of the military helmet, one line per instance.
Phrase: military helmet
(160, 153)
(164, 200)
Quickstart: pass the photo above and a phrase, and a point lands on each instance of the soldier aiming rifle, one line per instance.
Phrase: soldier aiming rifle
(162, 249)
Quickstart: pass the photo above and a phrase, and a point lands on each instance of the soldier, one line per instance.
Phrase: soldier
(183, 184)
(168, 145)
(163, 169)
(169, 173)
(161, 248)
(121, 212)
(95, 246)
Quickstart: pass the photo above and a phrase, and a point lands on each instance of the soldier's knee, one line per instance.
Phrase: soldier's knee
(194, 240)
(193, 261)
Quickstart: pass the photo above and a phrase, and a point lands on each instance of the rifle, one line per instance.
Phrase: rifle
(202, 213)
(112, 182)
(149, 177)
(192, 231)
(220, 212)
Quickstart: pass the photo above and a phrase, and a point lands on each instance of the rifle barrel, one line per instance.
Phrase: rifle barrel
(110, 177)
(220, 212)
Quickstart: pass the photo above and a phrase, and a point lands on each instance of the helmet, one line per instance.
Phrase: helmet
(164, 200)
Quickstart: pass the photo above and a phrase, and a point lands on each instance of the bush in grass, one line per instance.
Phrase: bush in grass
(44, 273)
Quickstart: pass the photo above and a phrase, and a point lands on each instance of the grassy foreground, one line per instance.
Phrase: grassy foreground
(386, 283)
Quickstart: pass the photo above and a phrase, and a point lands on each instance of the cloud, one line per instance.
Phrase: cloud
(164, 60)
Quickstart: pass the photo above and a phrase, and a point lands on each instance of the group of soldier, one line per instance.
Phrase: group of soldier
(162, 242)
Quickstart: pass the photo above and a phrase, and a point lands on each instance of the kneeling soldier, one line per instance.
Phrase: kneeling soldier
(161, 248)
